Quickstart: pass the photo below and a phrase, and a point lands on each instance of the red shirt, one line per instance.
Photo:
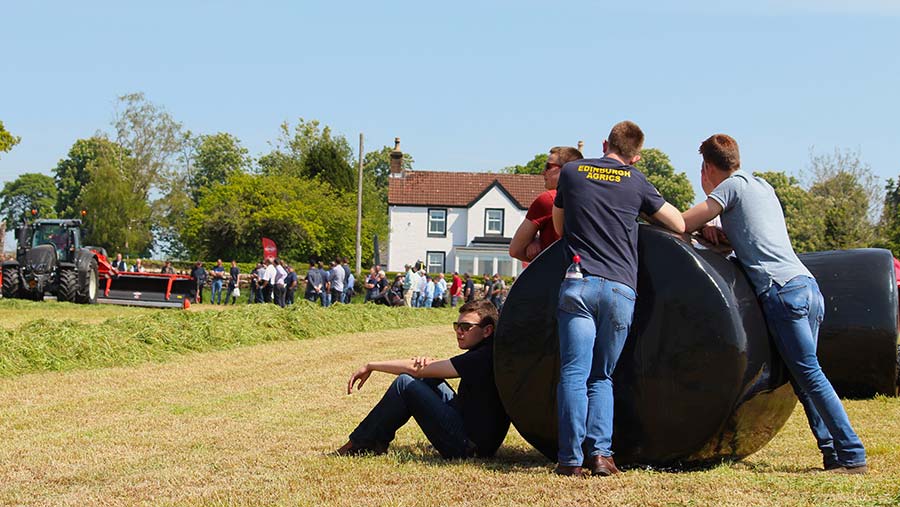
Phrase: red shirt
(541, 214)
(455, 286)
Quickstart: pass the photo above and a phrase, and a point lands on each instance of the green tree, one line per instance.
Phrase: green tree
(28, 191)
(850, 199)
(305, 217)
(803, 212)
(534, 166)
(324, 161)
(71, 173)
(216, 157)
(7, 140)
(151, 136)
(377, 165)
(675, 188)
(292, 147)
(117, 218)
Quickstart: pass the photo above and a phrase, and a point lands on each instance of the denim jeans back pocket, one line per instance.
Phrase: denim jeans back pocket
(626, 294)
(571, 295)
(795, 300)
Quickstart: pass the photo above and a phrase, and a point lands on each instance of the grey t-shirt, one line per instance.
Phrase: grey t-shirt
(337, 278)
(754, 223)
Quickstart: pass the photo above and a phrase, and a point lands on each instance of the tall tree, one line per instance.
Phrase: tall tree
(292, 147)
(674, 187)
(117, 218)
(889, 225)
(71, 173)
(216, 157)
(324, 161)
(28, 191)
(7, 140)
(850, 196)
(152, 137)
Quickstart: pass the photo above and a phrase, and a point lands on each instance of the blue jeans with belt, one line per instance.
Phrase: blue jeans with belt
(431, 402)
(794, 312)
(594, 319)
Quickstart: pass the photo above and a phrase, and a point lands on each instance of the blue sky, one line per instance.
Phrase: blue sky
(466, 85)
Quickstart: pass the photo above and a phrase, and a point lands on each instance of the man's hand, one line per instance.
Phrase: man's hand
(714, 235)
(420, 362)
(362, 374)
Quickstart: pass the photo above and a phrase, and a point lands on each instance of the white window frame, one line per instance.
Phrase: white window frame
(443, 222)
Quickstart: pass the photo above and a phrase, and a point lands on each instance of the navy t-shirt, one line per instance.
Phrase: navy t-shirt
(485, 419)
(602, 199)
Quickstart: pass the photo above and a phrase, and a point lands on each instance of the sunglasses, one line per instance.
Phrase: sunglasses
(549, 166)
(464, 326)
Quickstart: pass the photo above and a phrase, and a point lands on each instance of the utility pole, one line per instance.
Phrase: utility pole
(359, 209)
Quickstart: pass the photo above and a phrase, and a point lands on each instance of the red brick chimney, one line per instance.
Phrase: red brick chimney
(397, 160)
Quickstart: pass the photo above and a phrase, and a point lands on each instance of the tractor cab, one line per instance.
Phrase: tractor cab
(63, 235)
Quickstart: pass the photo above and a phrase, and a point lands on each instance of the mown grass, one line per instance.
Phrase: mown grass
(63, 336)
(255, 426)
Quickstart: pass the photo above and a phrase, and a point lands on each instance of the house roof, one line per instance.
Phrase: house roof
(459, 189)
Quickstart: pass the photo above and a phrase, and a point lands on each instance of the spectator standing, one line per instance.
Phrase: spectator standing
(348, 287)
(468, 288)
(313, 283)
(218, 277)
(291, 283)
(138, 267)
(455, 289)
(326, 283)
(407, 285)
(269, 277)
(261, 283)
(280, 287)
(199, 276)
(498, 287)
(167, 268)
(414, 282)
(440, 290)
(234, 275)
(337, 281)
(428, 292)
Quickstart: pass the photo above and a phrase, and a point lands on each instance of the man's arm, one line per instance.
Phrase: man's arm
(523, 236)
(559, 218)
(415, 367)
(700, 214)
(669, 217)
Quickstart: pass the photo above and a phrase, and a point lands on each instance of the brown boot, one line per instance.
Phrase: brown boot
(601, 465)
(570, 471)
(857, 470)
(351, 449)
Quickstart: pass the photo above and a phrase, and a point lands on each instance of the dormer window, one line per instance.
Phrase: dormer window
(493, 222)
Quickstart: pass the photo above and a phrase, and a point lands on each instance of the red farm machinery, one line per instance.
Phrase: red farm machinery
(51, 260)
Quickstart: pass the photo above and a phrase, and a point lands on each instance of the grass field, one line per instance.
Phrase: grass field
(253, 425)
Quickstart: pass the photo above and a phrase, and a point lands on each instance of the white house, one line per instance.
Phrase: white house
(457, 221)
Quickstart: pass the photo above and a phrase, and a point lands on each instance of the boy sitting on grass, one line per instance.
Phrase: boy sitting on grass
(470, 423)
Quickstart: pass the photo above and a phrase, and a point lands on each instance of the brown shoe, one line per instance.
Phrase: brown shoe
(570, 471)
(351, 449)
(603, 466)
(856, 470)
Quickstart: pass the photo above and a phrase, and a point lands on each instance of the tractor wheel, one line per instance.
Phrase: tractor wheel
(87, 293)
(68, 282)
(10, 282)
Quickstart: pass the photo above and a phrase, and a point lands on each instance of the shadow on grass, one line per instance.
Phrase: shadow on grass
(506, 460)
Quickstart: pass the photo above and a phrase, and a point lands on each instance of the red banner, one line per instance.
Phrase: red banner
(270, 251)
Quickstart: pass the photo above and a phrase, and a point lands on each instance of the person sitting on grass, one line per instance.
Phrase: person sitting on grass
(470, 423)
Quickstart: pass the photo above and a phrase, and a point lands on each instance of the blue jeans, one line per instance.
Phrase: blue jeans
(326, 298)
(427, 302)
(216, 297)
(594, 319)
(433, 405)
(794, 313)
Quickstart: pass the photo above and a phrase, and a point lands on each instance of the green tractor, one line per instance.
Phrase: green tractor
(50, 259)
